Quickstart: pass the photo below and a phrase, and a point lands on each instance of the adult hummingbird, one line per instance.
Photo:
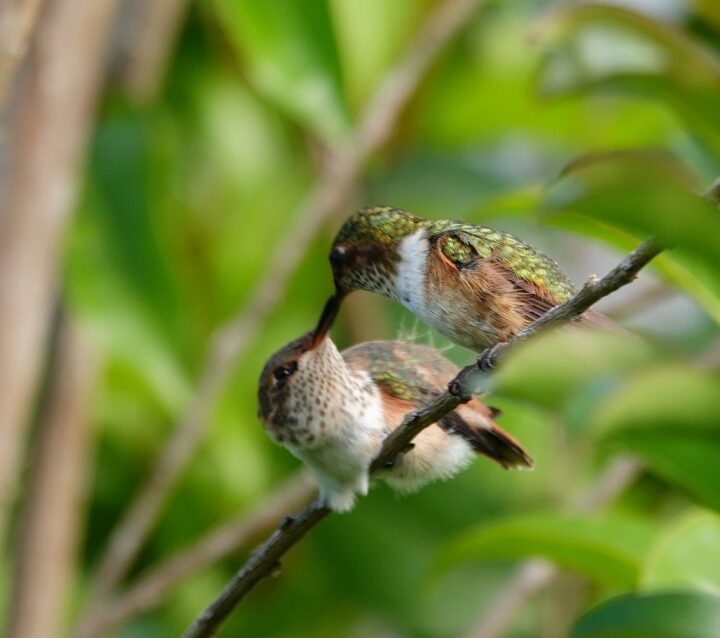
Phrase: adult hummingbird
(475, 285)
(333, 410)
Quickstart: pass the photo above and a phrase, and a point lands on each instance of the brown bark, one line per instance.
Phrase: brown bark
(17, 23)
(51, 520)
(152, 32)
(47, 133)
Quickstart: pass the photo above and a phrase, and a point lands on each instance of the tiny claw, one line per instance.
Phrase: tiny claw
(488, 359)
(286, 523)
(455, 388)
(276, 569)
(408, 448)
(458, 387)
(391, 463)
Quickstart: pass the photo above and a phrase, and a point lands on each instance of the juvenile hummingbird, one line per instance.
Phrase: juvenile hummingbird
(333, 410)
(475, 285)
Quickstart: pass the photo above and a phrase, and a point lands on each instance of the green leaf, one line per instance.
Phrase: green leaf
(292, 57)
(670, 615)
(686, 555)
(681, 52)
(669, 416)
(645, 193)
(673, 397)
(552, 367)
(641, 192)
(649, 58)
(370, 35)
(608, 550)
(677, 268)
(690, 460)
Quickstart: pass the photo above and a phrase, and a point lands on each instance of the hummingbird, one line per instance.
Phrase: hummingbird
(475, 285)
(333, 410)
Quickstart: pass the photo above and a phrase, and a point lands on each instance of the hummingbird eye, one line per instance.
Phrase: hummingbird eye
(283, 372)
(337, 255)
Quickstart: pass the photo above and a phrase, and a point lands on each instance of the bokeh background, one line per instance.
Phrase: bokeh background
(171, 176)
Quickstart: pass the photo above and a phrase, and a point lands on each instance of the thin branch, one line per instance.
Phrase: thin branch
(531, 577)
(51, 518)
(46, 132)
(264, 562)
(150, 588)
(593, 290)
(266, 559)
(336, 181)
(654, 294)
(146, 49)
(535, 574)
(17, 23)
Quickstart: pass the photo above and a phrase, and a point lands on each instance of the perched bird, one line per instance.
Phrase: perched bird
(475, 285)
(333, 410)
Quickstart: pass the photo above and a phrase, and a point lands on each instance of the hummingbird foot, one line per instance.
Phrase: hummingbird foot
(393, 462)
(286, 523)
(488, 359)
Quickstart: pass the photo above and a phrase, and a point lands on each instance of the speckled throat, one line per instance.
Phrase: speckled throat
(321, 398)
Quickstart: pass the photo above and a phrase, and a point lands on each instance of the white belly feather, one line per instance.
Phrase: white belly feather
(410, 278)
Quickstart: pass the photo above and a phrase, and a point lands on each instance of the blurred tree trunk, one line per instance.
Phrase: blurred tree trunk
(52, 511)
(17, 23)
(50, 116)
(145, 45)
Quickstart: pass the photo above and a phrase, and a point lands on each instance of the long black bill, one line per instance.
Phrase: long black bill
(327, 318)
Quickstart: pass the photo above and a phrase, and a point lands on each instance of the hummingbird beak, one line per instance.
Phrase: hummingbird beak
(327, 318)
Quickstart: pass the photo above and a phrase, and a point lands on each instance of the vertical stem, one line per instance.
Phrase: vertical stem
(17, 23)
(47, 135)
(50, 525)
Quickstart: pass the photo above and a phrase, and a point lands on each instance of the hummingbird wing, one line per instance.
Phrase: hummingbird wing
(409, 375)
(483, 254)
(533, 279)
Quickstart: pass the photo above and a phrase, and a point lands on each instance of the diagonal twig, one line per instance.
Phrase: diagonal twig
(332, 188)
(52, 508)
(45, 135)
(593, 290)
(152, 586)
(535, 574)
(267, 557)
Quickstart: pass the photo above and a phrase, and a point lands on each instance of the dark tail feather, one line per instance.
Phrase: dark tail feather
(491, 441)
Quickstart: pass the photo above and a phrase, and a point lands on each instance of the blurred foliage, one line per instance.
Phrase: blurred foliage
(185, 198)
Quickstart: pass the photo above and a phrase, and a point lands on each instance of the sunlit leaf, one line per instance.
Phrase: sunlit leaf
(686, 555)
(690, 460)
(370, 36)
(608, 550)
(601, 48)
(680, 51)
(670, 615)
(710, 10)
(291, 54)
(695, 279)
(551, 367)
(645, 193)
(673, 396)
(670, 417)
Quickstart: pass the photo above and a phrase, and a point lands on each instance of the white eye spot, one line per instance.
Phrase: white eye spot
(337, 255)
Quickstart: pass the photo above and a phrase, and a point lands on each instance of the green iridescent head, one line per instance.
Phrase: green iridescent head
(364, 252)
